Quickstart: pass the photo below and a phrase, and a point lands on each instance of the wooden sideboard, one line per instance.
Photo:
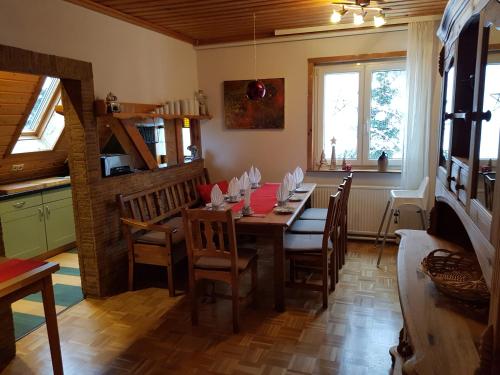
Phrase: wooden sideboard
(442, 335)
(439, 336)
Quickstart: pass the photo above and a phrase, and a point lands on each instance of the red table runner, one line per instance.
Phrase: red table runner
(262, 200)
(14, 267)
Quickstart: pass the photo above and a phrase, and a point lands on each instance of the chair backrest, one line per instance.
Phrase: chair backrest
(210, 233)
(422, 189)
(163, 201)
(332, 220)
(346, 192)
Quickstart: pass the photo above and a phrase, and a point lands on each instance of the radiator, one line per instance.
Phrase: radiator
(365, 209)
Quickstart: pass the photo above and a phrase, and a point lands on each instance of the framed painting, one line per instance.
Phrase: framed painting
(243, 113)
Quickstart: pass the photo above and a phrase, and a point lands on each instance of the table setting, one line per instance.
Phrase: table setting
(247, 197)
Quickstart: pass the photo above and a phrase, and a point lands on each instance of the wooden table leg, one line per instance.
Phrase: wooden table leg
(279, 270)
(49, 308)
(7, 339)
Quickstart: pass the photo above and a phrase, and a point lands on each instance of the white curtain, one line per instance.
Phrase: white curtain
(421, 61)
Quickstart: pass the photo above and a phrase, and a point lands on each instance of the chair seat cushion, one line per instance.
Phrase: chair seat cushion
(158, 238)
(245, 256)
(304, 242)
(308, 226)
(314, 214)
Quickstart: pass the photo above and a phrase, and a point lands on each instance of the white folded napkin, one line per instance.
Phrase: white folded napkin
(254, 176)
(282, 193)
(289, 182)
(299, 176)
(246, 198)
(244, 182)
(216, 196)
(233, 190)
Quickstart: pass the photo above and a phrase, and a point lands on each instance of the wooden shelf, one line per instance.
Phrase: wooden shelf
(444, 335)
(131, 115)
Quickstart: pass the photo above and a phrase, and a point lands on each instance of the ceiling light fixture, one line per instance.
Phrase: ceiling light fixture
(336, 16)
(379, 19)
(359, 18)
(256, 89)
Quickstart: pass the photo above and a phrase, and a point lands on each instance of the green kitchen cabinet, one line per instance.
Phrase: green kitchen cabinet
(36, 223)
(59, 223)
(24, 233)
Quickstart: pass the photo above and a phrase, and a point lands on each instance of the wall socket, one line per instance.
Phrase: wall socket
(17, 167)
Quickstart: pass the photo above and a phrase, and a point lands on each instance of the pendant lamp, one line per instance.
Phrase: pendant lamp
(256, 89)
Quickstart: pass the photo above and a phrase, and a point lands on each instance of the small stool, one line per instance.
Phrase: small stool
(401, 198)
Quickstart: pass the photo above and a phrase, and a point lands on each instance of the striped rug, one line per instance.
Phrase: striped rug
(28, 312)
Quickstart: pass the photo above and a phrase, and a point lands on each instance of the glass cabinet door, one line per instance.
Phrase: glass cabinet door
(490, 130)
(446, 125)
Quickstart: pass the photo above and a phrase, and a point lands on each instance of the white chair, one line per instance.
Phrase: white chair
(401, 198)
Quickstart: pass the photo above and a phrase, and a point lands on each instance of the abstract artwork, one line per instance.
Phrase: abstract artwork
(243, 113)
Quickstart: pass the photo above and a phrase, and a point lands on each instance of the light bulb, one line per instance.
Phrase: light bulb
(379, 20)
(336, 17)
(359, 19)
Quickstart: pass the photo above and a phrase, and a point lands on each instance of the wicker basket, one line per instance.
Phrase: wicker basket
(457, 275)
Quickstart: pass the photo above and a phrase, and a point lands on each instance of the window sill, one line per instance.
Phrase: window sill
(354, 169)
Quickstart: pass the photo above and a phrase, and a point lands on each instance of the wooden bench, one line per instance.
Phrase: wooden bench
(152, 224)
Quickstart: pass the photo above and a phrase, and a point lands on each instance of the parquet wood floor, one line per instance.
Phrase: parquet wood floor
(146, 332)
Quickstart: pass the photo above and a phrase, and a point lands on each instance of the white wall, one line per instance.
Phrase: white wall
(229, 152)
(136, 64)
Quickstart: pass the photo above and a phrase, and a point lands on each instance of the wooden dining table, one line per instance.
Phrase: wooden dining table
(273, 227)
(36, 277)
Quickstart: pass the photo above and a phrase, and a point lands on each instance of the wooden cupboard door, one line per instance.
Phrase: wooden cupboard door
(24, 233)
(59, 223)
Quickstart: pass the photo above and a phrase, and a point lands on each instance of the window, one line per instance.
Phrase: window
(362, 106)
(44, 124)
(34, 121)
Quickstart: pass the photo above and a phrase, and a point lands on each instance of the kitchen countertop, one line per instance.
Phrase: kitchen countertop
(31, 186)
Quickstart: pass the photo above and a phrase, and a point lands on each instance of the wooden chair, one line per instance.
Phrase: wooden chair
(317, 251)
(320, 213)
(343, 220)
(318, 226)
(213, 255)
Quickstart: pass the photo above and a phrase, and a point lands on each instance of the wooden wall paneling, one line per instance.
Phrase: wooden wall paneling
(27, 110)
(36, 165)
(136, 137)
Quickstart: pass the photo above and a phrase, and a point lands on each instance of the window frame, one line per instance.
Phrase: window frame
(50, 109)
(48, 106)
(43, 121)
(365, 70)
(312, 63)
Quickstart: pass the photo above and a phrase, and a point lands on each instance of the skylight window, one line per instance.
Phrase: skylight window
(44, 124)
(40, 107)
